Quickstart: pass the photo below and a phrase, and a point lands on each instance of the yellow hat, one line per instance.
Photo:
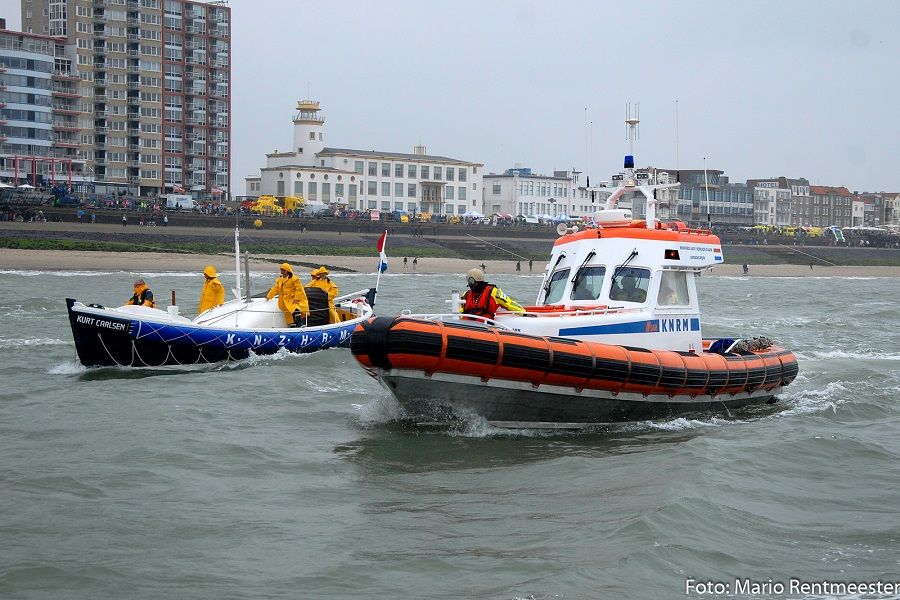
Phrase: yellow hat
(320, 271)
(287, 267)
(476, 274)
(210, 271)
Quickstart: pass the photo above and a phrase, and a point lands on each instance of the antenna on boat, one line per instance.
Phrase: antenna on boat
(706, 188)
(632, 125)
(676, 137)
(237, 262)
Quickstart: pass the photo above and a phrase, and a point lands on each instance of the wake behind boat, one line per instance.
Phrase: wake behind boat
(614, 335)
(139, 336)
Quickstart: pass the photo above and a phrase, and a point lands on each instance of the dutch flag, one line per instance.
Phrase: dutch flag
(383, 265)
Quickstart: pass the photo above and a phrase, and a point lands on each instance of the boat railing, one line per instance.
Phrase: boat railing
(473, 319)
(358, 294)
(574, 311)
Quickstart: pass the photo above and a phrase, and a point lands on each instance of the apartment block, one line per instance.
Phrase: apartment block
(39, 110)
(153, 84)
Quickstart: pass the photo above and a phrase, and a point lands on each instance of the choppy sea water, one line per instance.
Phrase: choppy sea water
(288, 477)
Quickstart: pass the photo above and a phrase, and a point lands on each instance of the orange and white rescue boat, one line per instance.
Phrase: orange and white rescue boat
(614, 335)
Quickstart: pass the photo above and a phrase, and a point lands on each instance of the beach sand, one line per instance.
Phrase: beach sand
(142, 262)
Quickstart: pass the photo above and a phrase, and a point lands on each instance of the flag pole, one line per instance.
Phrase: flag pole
(381, 262)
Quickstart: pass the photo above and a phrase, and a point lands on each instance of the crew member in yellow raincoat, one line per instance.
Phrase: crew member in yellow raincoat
(291, 297)
(142, 295)
(213, 293)
(320, 280)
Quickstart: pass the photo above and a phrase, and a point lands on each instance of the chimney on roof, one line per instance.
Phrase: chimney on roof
(420, 150)
(2, 23)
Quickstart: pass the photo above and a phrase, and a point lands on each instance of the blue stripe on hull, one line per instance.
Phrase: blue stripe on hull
(300, 340)
(667, 325)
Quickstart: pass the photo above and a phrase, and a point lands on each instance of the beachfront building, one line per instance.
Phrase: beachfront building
(153, 86)
(779, 201)
(39, 109)
(710, 197)
(519, 191)
(891, 208)
(874, 208)
(346, 178)
(829, 206)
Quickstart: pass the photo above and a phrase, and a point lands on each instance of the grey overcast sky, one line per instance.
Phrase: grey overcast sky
(763, 88)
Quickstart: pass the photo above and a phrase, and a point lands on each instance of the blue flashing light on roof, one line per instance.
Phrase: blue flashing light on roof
(629, 161)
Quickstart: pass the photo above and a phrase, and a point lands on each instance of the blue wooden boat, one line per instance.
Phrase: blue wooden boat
(138, 336)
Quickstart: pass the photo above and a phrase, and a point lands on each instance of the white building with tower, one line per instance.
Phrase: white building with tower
(366, 179)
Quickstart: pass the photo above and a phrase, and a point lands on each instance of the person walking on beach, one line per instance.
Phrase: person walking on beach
(415, 263)
(530, 263)
(746, 269)
(291, 297)
(404, 262)
(483, 268)
(483, 299)
(142, 295)
(124, 220)
(213, 293)
(518, 266)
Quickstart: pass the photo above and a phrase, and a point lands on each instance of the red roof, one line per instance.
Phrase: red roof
(827, 190)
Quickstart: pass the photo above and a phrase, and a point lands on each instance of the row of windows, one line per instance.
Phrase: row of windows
(386, 205)
(29, 133)
(32, 116)
(538, 188)
(26, 64)
(37, 83)
(435, 173)
(23, 98)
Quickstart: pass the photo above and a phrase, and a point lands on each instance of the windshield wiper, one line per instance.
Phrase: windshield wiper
(579, 274)
(621, 267)
(550, 274)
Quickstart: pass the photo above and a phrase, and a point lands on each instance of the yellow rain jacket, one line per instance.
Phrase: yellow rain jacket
(142, 296)
(213, 293)
(291, 295)
(320, 280)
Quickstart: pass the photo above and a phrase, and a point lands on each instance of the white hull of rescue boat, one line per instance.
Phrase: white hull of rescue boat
(440, 397)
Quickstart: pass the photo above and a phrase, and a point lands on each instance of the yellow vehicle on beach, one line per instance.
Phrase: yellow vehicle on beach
(815, 232)
(293, 203)
(270, 205)
(266, 205)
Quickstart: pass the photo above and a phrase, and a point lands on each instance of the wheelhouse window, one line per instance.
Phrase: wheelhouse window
(673, 289)
(629, 284)
(588, 283)
(556, 286)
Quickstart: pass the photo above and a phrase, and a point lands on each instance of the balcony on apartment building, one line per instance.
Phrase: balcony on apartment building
(64, 92)
(65, 109)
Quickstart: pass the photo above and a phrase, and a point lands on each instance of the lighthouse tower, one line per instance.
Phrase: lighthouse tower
(309, 132)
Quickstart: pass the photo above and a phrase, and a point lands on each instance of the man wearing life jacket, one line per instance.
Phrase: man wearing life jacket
(482, 298)
(291, 297)
(142, 295)
(321, 280)
(213, 293)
